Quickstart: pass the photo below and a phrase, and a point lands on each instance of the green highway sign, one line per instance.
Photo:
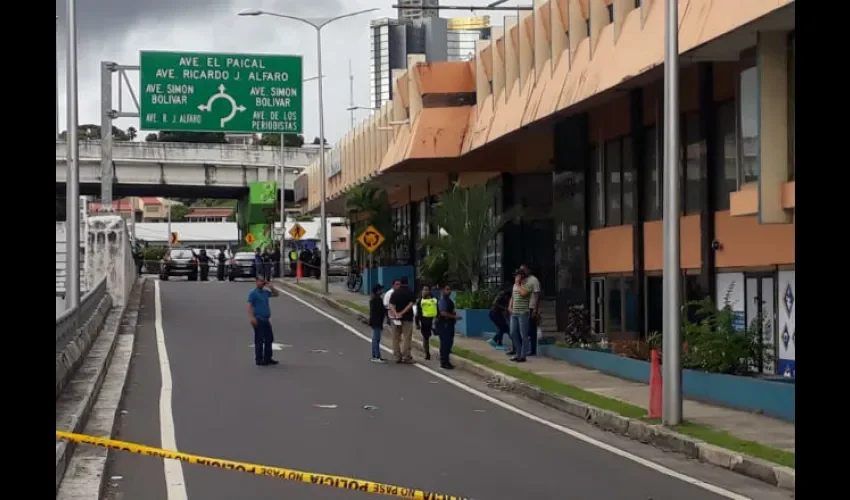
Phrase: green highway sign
(235, 93)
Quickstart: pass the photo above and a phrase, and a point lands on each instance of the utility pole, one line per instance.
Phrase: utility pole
(351, 106)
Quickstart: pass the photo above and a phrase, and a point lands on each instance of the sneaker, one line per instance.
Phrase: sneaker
(493, 343)
(500, 347)
(510, 352)
(272, 362)
(378, 360)
(261, 363)
(447, 367)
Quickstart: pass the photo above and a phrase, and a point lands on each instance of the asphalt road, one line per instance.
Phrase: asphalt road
(425, 433)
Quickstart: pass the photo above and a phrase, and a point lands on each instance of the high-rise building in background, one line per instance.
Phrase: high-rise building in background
(390, 43)
(462, 33)
(416, 11)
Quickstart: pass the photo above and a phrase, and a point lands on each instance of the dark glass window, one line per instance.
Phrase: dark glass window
(630, 304)
(614, 184)
(629, 187)
(652, 178)
(694, 179)
(749, 124)
(613, 305)
(726, 169)
(597, 190)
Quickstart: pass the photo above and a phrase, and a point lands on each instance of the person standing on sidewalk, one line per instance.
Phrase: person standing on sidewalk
(446, 320)
(401, 305)
(499, 317)
(520, 312)
(533, 285)
(426, 311)
(387, 297)
(377, 315)
(260, 314)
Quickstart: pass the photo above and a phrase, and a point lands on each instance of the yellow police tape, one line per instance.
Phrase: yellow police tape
(341, 482)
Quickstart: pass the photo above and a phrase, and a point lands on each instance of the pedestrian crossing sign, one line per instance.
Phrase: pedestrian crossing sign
(297, 232)
(250, 239)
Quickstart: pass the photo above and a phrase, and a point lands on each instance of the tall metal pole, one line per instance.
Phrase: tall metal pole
(169, 224)
(672, 368)
(323, 216)
(106, 136)
(72, 180)
(57, 78)
(351, 93)
(282, 208)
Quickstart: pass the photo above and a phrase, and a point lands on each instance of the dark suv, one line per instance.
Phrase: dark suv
(179, 262)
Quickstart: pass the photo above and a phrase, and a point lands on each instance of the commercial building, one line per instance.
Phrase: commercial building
(561, 111)
(463, 33)
(415, 10)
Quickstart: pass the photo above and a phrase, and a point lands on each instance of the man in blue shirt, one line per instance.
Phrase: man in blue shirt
(260, 314)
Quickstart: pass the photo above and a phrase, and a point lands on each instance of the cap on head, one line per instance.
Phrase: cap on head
(377, 288)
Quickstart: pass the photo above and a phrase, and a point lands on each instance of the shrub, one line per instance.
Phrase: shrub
(642, 349)
(480, 299)
(578, 331)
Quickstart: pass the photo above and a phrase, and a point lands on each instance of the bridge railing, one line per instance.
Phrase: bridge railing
(69, 322)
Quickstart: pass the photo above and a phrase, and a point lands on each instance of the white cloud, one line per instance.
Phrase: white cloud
(116, 30)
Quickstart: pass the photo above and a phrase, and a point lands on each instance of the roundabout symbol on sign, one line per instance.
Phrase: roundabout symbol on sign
(222, 95)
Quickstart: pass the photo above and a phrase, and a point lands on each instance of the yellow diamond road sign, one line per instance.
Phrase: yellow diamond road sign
(371, 239)
(297, 232)
(250, 239)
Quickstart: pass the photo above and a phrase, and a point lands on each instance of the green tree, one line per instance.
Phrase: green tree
(92, 132)
(467, 224)
(179, 213)
(289, 140)
(304, 218)
(367, 205)
(151, 137)
(316, 141)
(192, 137)
(132, 133)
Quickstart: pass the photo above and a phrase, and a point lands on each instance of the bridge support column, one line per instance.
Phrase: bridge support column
(108, 253)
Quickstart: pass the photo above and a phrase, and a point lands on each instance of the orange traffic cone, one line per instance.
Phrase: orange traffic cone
(298, 274)
(655, 385)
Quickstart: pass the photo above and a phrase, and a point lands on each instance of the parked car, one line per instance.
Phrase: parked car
(179, 262)
(241, 266)
(339, 267)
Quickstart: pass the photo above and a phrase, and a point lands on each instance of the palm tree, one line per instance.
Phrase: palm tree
(467, 224)
(368, 205)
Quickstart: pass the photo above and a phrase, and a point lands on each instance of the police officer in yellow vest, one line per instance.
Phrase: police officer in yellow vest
(426, 311)
(293, 260)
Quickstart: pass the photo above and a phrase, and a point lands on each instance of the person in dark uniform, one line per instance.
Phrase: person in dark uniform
(203, 264)
(446, 319)
(499, 317)
(306, 259)
(222, 262)
(426, 312)
(267, 264)
(258, 263)
(275, 257)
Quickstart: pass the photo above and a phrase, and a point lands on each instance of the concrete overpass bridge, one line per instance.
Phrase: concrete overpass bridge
(182, 169)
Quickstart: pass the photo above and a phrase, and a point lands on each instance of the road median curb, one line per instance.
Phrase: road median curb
(635, 429)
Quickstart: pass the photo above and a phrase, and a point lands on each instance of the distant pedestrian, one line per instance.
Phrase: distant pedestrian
(533, 285)
(426, 313)
(401, 305)
(258, 263)
(499, 317)
(222, 263)
(377, 315)
(275, 256)
(293, 261)
(446, 327)
(520, 312)
(260, 314)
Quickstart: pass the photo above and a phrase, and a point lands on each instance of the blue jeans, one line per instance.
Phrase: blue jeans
(376, 342)
(519, 334)
(263, 338)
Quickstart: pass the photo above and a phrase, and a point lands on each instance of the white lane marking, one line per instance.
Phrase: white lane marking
(175, 484)
(552, 425)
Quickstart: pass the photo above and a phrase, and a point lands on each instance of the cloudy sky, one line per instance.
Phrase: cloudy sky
(116, 30)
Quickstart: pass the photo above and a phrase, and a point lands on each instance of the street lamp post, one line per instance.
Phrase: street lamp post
(283, 195)
(72, 179)
(317, 23)
(672, 394)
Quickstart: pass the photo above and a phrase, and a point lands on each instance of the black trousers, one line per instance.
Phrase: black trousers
(220, 271)
(205, 272)
(426, 329)
(532, 332)
(447, 341)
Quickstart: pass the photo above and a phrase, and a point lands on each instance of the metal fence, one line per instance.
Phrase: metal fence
(71, 320)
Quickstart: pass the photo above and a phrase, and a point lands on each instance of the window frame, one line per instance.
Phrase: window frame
(685, 197)
(721, 195)
(748, 59)
(611, 282)
(600, 194)
(653, 205)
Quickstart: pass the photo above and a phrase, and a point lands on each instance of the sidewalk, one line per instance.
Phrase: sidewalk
(748, 433)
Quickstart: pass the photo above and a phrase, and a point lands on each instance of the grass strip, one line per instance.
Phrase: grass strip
(353, 305)
(702, 432)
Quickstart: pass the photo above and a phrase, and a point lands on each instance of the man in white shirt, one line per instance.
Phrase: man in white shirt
(387, 295)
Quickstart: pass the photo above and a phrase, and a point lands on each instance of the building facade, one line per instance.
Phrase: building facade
(462, 33)
(415, 9)
(566, 123)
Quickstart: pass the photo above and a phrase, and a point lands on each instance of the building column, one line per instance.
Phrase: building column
(570, 201)
(638, 132)
(708, 119)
